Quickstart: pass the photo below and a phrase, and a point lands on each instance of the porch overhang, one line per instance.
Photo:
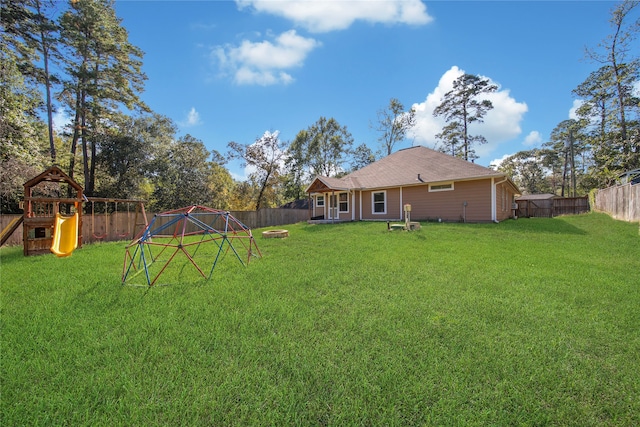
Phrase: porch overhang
(323, 184)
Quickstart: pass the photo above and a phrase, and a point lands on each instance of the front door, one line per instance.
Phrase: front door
(333, 207)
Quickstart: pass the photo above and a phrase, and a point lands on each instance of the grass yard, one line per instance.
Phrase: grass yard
(527, 322)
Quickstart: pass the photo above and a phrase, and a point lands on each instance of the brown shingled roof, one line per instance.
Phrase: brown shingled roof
(403, 167)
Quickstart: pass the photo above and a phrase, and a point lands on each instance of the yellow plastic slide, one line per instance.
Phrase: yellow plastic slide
(65, 235)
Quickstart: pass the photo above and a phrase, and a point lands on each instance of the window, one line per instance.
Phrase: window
(343, 205)
(441, 187)
(379, 202)
(320, 201)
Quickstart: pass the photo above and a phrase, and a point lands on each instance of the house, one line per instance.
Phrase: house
(436, 185)
(632, 176)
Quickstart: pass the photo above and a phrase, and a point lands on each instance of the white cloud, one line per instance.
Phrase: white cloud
(577, 103)
(500, 125)
(534, 138)
(331, 15)
(60, 120)
(264, 63)
(495, 163)
(192, 119)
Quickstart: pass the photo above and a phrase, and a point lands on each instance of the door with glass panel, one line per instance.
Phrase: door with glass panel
(333, 206)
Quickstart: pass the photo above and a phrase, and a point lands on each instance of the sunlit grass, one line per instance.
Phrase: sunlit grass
(531, 322)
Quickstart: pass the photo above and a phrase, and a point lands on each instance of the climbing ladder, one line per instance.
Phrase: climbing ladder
(9, 229)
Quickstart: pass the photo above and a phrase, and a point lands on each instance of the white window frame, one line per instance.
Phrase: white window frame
(442, 186)
(373, 202)
(340, 202)
(319, 204)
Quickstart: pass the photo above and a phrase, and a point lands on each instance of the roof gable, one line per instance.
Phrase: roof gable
(53, 174)
(325, 183)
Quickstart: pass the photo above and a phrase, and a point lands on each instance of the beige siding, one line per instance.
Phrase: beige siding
(342, 215)
(345, 215)
(394, 210)
(449, 205)
(318, 210)
(426, 205)
(505, 197)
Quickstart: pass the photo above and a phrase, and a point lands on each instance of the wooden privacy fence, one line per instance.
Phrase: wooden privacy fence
(570, 205)
(548, 208)
(270, 217)
(122, 225)
(621, 202)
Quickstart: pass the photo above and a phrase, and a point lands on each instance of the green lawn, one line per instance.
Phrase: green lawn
(527, 322)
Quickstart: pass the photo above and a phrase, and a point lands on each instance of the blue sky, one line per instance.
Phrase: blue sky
(231, 70)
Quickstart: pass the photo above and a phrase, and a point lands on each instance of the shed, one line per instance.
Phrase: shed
(536, 205)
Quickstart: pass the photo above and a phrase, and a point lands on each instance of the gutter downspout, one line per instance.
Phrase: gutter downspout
(401, 208)
(494, 214)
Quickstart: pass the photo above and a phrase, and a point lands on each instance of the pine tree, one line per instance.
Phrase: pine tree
(460, 107)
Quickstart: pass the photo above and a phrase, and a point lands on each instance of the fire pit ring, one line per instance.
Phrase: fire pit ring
(275, 234)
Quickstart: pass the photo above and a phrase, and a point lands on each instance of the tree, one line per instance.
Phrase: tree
(325, 146)
(460, 107)
(525, 167)
(567, 142)
(46, 43)
(104, 74)
(221, 186)
(552, 163)
(361, 157)
(296, 167)
(622, 71)
(34, 39)
(182, 176)
(393, 124)
(266, 156)
(21, 146)
(131, 149)
(244, 196)
(452, 140)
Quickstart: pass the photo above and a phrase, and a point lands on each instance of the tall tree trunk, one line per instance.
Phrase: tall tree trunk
(47, 81)
(466, 135)
(262, 188)
(92, 167)
(619, 89)
(573, 164)
(564, 170)
(90, 182)
(74, 139)
(85, 151)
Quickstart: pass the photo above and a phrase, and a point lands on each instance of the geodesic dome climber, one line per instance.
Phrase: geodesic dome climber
(187, 241)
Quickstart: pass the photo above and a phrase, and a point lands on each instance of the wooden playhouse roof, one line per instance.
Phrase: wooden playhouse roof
(53, 174)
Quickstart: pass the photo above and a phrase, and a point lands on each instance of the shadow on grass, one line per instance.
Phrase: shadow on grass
(541, 225)
(11, 254)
